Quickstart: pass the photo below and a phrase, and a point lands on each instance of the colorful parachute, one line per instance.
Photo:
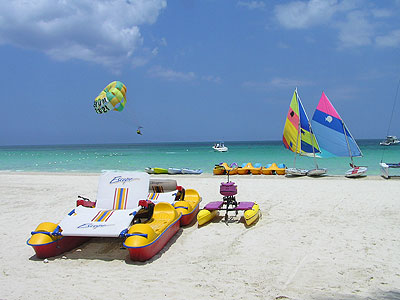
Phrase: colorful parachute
(111, 98)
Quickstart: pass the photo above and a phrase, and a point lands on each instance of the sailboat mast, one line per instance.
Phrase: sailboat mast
(298, 131)
(348, 145)
(311, 132)
(312, 144)
(295, 154)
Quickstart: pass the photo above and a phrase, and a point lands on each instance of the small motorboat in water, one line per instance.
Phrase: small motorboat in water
(220, 147)
(390, 140)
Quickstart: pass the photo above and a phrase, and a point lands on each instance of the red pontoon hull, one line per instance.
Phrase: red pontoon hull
(58, 247)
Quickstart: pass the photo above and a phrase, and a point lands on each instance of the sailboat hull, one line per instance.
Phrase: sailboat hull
(316, 172)
(356, 172)
(296, 172)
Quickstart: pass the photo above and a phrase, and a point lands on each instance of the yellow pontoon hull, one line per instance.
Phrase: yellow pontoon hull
(204, 216)
(252, 215)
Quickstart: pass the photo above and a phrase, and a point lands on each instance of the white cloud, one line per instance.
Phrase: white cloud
(356, 30)
(155, 51)
(382, 13)
(277, 83)
(282, 45)
(356, 24)
(140, 61)
(300, 14)
(170, 75)
(390, 40)
(252, 4)
(163, 42)
(211, 78)
(103, 32)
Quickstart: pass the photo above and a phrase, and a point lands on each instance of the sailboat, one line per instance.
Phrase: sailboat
(334, 137)
(299, 138)
(386, 166)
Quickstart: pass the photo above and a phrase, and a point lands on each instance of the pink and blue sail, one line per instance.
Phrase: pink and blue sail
(334, 138)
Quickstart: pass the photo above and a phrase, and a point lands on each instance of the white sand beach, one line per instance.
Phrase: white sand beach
(325, 238)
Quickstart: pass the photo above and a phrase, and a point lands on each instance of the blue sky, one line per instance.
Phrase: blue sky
(195, 70)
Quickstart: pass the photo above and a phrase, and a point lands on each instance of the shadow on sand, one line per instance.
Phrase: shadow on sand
(378, 295)
(108, 249)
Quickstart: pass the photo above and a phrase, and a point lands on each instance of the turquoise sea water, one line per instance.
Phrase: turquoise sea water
(94, 158)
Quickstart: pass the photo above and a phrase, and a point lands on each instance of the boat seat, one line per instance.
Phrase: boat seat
(118, 197)
(244, 206)
(214, 205)
(162, 197)
(145, 213)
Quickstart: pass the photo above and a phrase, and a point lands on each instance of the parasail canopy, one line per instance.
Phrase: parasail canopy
(112, 97)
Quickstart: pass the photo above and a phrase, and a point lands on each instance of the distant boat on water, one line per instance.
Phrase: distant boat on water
(390, 140)
(220, 147)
